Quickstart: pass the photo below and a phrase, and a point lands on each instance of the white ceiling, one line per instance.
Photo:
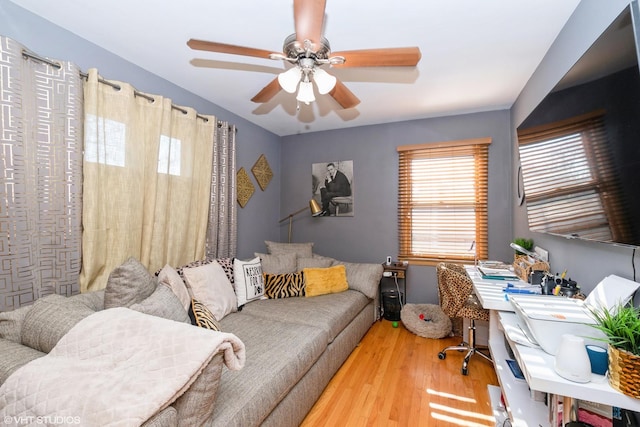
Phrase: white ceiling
(476, 55)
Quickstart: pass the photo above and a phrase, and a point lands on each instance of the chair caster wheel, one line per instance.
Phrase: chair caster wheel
(442, 355)
(465, 371)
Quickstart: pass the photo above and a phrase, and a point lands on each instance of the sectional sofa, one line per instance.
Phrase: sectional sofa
(280, 352)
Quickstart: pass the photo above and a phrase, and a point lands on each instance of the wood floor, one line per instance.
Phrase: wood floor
(394, 378)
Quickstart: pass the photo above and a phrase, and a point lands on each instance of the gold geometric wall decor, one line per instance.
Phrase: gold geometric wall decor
(262, 171)
(245, 187)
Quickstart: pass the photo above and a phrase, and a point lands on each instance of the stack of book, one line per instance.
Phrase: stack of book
(522, 288)
(497, 273)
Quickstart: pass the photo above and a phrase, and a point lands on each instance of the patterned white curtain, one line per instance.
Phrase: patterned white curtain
(147, 180)
(41, 173)
(222, 232)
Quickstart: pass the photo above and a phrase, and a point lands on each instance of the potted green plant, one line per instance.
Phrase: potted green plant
(621, 327)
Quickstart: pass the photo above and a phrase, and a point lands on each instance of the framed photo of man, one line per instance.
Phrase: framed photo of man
(332, 187)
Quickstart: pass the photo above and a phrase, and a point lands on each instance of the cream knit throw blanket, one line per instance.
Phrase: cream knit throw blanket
(117, 367)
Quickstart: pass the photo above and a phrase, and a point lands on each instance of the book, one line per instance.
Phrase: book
(522, 288)
(555, 404)
(595, 414)
(493, 264)
(497, 274)
(625, 417)
(515, 369)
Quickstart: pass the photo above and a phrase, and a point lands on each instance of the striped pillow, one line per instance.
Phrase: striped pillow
(284, 285)
(201, 316)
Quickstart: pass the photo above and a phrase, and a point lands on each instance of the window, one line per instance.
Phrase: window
(105, 141)
(568, 176)
(169, 156)
(442, 202)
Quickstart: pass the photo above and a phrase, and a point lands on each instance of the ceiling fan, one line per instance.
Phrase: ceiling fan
(308, 50)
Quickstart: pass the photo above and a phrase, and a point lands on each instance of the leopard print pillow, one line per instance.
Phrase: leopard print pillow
(225, 263)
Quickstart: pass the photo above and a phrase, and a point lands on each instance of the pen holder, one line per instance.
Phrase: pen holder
(523, 267)
(536, 277)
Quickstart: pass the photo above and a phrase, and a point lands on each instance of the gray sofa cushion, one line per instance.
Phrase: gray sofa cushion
(197, 404)
(271, 370)
(14, 355)
(313, 262)
(128, 284)
(330, 312)
(168, 417)
(277, 264)
(50, 318)
(302, 250)
(163, 303)
(11, 323)
(324, 258)
(363, 277)
(94, 300)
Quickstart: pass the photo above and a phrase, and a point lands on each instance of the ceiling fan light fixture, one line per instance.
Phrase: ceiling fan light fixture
(325, 81)
(306, 51)
(289, 79)
(305, 93)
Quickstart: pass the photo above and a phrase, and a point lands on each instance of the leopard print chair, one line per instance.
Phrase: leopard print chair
(457, 300)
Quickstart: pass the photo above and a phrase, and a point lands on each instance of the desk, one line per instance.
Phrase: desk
(489, 292)
(536, 365)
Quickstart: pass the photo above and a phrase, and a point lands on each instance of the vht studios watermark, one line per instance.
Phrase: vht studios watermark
(43, 420)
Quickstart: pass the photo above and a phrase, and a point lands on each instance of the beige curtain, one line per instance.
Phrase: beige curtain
(41, 176)
(147, 180)
(222, 233)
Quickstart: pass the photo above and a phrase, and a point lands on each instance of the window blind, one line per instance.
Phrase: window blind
(569, 181)
(442, 201)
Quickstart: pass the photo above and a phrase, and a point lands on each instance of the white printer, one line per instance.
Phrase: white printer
(545, 318)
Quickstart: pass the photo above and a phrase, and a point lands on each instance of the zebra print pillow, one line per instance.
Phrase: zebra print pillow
(284, 285)
(201, 316)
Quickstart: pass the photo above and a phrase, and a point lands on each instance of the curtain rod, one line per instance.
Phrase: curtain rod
(47, 61)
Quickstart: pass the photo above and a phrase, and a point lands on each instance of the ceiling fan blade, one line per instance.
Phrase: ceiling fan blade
(267, 92)
(308, 16)
(390, 57)
(228, 48)
(344, 96)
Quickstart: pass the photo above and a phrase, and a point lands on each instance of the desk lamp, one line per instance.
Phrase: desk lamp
(314, 207)
(527, 252)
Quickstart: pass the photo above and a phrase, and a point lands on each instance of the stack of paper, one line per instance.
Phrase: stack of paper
(493, 264)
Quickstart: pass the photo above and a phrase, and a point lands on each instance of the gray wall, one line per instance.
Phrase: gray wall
(371, 234)
(257, 219)
(585, 262)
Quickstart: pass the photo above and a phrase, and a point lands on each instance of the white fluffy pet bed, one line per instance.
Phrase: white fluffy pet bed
(433, 324)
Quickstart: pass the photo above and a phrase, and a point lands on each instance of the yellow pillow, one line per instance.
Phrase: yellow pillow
(320, 281)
